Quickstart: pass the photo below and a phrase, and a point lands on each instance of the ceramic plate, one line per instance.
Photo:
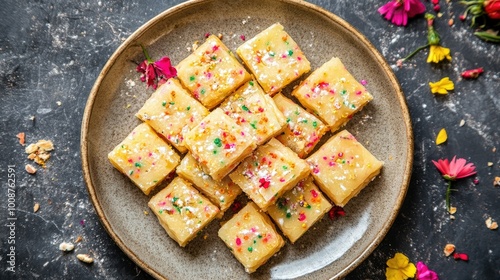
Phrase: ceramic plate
(330, 249)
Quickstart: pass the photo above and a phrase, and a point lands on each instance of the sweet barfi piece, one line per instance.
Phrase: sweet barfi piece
(251, 237)
(303, 130)
(172, 112)
(332, 93)
(221, 193)
(211, 72)
(269, 172)
(342, 167)
(299, 208)
(255, 111)
(219, 144)
(144, 157)
(182, 210)
(274, 58)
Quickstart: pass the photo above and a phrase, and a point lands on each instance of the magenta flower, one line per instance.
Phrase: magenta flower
(399, 11)
(155, 73)
(456, 169)
(424, 273)
(451, 171)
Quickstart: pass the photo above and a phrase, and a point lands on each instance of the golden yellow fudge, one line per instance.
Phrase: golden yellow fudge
(269, 172)
(211, 72)
(342, 167)
(144, 157)
(332, 93)
(219, 144)
(221, 193)
(274, 58)
(251, 237)
(303, 130)
(255, 111)
(182, 210)
(299, 208)
(172, 112)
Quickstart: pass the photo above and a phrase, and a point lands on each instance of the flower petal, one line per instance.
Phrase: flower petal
(441, 137)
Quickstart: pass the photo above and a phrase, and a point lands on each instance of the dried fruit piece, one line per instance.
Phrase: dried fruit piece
(39, 152)
(36, 207)
(66, 246)
(30, 169)
(496, 182)
(86, 258)
(441, 137)
(449, 249)
(453, 210)
(21, 137)
(491, 224)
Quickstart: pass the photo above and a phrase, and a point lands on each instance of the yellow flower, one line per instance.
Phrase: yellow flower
(400, 268)
(438, 54)
(442, 86)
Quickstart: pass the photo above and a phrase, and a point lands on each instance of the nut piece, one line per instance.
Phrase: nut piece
(21, 136)
(453, 210)
(490, 224)
(66, 246)
(39, 152)
(449, 249)
(86, 258)
(36, 207)
(496, 182)
(78, 239)
(30, 169)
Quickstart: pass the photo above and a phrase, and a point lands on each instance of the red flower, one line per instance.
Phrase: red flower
(492, 8)
(424, 273)
(456, 169)
(399, 11)
(157, 72)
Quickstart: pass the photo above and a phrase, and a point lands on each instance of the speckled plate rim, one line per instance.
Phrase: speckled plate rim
(160, 17)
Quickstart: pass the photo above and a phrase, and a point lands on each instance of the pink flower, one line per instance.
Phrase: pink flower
(424, 273)
(399, 11)
(157, 72)
(456, 169)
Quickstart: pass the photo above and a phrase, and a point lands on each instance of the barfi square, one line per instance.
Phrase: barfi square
(219, 144)
(211, 72)
(269, 172)
(172, 112)
(342, 167)
(332, 94)
(274, 58)
(182, 211)
(255, 111)
(221, 193)
(303, 130)
(144, 157)
(251, 237)
(299, 209)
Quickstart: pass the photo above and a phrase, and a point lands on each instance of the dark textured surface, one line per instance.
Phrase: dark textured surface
(52, 51)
